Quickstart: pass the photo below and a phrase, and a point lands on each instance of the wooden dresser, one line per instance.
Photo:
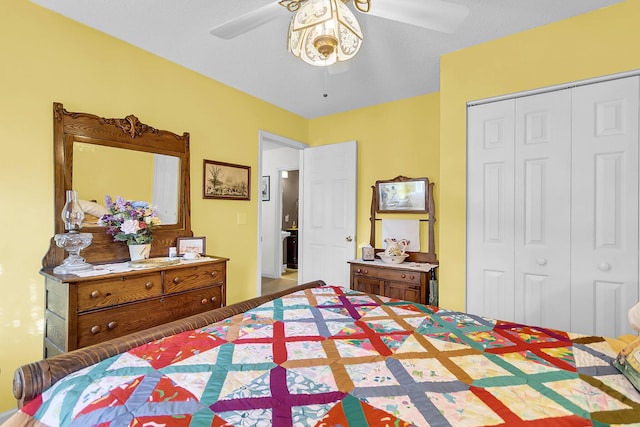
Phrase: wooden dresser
(83, 311)
(401, 281)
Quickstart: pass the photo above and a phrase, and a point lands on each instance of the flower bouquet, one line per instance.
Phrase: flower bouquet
(129, 221)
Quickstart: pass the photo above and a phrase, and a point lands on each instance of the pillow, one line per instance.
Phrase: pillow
(92, 208)
(634, 317)
(628, 362)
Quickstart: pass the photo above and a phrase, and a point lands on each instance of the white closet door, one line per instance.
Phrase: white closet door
(605, 206)
(543, 209)
(490, 260)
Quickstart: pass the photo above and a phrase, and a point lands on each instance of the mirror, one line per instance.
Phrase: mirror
(100, 170)
(124, 157)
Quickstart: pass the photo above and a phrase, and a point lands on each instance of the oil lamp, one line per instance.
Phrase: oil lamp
(73, 241)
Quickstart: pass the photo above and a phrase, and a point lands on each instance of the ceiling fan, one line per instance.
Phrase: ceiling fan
(314, 43)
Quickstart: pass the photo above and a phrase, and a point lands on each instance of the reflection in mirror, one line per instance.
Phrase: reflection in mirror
(135, 175)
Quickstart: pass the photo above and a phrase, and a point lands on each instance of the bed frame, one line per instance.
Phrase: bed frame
(34, 378)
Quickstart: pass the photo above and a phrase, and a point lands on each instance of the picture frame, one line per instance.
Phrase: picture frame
(266, 188)
(191, 244)
(402, 195)
(222, 180)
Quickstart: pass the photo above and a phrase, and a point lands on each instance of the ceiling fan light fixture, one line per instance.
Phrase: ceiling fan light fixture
(323, 32)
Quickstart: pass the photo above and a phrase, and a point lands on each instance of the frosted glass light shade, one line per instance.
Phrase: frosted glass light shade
(323, 32)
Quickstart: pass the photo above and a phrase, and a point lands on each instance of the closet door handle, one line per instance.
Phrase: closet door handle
(541, 261)
(603, 266)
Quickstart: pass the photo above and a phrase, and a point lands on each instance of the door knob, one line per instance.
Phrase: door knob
(541, 261)
(349, 239)
(603, 266)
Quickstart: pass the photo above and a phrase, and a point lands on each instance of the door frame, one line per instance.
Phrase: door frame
(265, 138)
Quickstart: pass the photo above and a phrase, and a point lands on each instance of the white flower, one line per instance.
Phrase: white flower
(130, 226)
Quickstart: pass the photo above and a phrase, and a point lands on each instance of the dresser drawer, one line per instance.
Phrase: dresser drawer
(115, 291)
(406, 276)
(178, 280)
(102, 325)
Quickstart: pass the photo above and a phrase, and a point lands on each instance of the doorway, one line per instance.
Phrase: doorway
(278, 213)
(290, 185)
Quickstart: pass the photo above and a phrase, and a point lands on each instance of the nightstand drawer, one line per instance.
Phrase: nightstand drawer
(178, 280)
(110, 292)
(406, 276)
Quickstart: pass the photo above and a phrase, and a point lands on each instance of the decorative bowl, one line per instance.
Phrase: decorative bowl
(393, 259)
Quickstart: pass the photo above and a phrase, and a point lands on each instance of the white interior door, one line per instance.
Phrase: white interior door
(605, 206)
(166, 182)
(490, 201)
(542, 248)
(328, 225)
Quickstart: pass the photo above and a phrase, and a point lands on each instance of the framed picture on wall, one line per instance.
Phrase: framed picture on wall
(266, 188)
(402, 194)
(226, 181)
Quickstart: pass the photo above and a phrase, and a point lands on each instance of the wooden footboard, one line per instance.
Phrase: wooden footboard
(32, 379)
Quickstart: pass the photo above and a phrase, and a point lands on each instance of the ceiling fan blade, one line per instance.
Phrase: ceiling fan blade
(435, 15)
(248, 21)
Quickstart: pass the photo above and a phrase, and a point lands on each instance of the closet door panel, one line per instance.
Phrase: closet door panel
(490, 210)
(542, 209)
(605, 206)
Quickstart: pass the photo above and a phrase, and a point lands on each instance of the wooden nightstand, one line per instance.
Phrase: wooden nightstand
(406, 281)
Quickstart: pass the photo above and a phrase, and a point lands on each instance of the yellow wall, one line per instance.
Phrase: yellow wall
(594, 44)
(47, 58)
(396, 138)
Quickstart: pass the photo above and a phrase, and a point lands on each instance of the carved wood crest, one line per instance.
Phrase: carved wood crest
(130, 125)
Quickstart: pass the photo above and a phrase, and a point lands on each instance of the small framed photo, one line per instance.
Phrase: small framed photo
(266, 188)
(226, 181)
(402, 194)
(191, 244)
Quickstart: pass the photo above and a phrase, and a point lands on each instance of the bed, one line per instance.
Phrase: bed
(320, 355)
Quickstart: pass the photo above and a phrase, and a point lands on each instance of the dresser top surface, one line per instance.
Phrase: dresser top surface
(418, 266)
(123, 268)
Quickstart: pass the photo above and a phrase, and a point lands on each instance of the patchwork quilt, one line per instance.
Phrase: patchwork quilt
(331, 356)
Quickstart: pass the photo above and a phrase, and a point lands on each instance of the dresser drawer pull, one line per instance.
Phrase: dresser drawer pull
(148, 285)
(213, 299)
(112, 325)
(358, 270)
(176, 280)
(365, 271)
(95, 294)
(95, 329)
(412, 277)
(204, 301)
(214, 273)
(403, 275)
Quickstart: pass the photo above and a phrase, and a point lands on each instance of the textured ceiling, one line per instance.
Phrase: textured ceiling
(396, 60)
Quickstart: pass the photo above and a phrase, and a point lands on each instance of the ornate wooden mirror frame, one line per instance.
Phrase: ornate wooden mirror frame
(429, 256)
(129, 134)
